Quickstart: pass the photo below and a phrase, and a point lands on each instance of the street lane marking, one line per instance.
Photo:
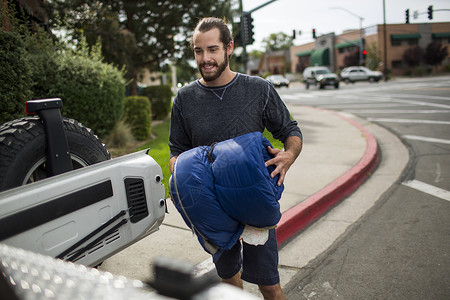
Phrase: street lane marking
(409, 121)
(421, 96)
(296, 96)
(366, 105)
(426, 139)
(421, 103)
(428, 189)
(411, 111)
(438, 172)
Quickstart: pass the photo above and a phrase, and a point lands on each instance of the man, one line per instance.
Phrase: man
(223, 104)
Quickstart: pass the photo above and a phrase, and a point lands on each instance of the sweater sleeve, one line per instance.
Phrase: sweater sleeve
(277, 118)
(179, 139)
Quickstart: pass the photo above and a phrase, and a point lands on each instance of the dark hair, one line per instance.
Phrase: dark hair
(206, 24)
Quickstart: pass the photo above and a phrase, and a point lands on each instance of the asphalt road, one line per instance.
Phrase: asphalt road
(400, 248)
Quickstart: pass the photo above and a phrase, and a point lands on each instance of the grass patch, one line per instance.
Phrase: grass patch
(159, 149)
(275, 143)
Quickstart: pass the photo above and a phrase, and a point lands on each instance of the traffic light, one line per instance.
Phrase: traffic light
(407, 16)
(364, 53)
(314, 33)
(430, 12)
(247, 22)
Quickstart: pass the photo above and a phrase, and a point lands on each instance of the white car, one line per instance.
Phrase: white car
(319, 76)
(352, 74)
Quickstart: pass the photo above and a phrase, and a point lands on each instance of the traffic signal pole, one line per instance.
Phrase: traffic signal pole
(429, 13)
(246, 16)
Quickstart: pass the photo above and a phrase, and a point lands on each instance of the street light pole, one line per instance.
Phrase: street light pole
(384, 42)
(360, 32)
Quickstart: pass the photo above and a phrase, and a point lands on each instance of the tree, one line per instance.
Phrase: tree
(413, 56)
(435, 53)
(185, 72)
(255, 54)
(137, 33)
(373, 57)
(278, 41)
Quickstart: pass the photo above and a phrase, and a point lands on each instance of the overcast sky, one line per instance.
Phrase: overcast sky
(332, 16)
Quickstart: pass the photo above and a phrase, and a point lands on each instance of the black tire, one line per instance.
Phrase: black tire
(23, 145)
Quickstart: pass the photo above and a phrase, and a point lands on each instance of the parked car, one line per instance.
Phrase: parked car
(352, 74)
(321, 76)
(278, 80)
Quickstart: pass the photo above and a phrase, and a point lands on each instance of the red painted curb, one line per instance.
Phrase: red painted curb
(300, 216)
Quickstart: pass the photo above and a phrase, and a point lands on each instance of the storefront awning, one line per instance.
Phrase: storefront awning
(409, 36)
(305, 53)
(441, 35)
(347, 44)
(321, 57)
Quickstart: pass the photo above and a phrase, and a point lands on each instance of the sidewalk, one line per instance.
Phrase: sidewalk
(338, 154)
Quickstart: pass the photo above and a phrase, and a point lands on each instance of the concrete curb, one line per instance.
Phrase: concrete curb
(300, 216)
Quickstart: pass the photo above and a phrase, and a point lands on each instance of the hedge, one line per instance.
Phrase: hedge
(15, 73)
(92, 91)
(138, 114)
(32, 66)
(161, 98)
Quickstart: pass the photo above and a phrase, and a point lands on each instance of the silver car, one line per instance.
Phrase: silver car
(352, 74)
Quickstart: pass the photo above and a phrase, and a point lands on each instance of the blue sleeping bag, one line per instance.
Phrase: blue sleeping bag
(219, 188)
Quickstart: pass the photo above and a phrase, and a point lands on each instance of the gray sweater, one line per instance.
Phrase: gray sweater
(203, 115)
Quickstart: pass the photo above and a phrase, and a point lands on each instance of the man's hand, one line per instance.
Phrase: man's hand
(284, 159)
(171, 163)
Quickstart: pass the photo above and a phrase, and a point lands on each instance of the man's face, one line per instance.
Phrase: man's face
(211, 57)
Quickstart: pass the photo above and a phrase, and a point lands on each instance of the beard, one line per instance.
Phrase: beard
(207, 77)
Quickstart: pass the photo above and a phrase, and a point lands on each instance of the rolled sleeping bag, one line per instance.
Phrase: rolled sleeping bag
(219, 188)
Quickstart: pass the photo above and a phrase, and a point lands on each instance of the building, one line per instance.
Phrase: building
(339, 51)
(275, 62)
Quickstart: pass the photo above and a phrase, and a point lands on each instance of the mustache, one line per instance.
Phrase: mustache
(212, 64)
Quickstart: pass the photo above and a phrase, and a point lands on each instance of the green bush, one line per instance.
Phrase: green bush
(93, 92)
(34, 66)
(161, 98)
(120, 137)
(42, 54)
(15, 83)
(138, 114)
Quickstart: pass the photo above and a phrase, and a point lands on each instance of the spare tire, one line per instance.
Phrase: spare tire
(23, 150)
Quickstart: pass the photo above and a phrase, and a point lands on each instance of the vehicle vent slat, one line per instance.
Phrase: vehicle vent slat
(137, 201)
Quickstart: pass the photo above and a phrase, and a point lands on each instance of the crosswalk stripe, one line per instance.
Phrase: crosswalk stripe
(426, 139)
(406, 111)
(428, 189)
(409, 121)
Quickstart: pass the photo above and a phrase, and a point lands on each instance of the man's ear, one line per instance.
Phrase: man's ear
(230, 48)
